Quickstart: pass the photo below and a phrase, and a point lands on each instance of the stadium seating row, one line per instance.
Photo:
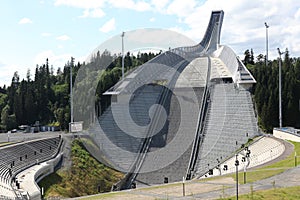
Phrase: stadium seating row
(264, 149)
(17, 157)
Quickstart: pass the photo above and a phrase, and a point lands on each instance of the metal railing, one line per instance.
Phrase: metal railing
(199, 131)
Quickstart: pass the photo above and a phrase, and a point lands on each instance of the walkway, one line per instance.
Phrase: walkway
(280, 180)
(209, 188)
(214, 189)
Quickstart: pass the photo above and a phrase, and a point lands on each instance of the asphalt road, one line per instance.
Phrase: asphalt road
(20, 137)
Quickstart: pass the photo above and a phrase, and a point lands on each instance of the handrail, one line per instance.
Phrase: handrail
(199, 131)
(147, 142)
(131, 176)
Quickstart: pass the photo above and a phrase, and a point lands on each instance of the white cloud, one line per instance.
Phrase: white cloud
(8, 70)
(94, 13)
(25, 20)
(181, 8)
(5, 78)
(141, 6)
(92, 8)
(55, 60)
(152, 19)
(45, 34)
(110, 25)
(243, 26)
(159, 5)
(130, 4)
(297, 15)
(80, 4)
(63, 38)
(96, 4)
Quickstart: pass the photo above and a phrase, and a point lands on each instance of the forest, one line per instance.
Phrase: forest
(46, 96)
(266, 90)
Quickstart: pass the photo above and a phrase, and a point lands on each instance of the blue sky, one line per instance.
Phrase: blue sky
(34, 30)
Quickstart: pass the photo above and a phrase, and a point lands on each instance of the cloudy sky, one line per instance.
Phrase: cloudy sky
(34, 30)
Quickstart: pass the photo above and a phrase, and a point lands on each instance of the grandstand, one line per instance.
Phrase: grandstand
(18, 157)
(197, 95)
(263, 150)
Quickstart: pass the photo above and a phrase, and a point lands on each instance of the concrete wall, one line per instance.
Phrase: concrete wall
(29, 177)
(285, 136)
(43, 172)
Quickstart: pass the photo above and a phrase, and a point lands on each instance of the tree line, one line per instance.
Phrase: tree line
(266, 90)
(46, 97)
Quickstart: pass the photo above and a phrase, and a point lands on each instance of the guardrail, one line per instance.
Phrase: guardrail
(200, 126)
(130, 176)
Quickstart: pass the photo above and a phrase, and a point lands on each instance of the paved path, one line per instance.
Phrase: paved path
(212, 189)
(280, 180)
(21, 137)
(224, 187)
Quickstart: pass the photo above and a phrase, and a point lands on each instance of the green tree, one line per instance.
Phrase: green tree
(9, 121)
(247, 58)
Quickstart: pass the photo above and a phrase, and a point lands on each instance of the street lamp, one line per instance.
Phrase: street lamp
(71, 94)
(267, 26)
(237, 175)
(247, 156)
(280, 108)
(123, 33)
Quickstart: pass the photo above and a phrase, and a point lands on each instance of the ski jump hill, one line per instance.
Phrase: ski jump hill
(177, 116)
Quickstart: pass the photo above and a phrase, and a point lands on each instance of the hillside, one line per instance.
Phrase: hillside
(85, 177)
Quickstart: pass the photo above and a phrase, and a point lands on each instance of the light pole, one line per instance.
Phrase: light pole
(280, 108)
(71, 90)
(237, 175)
(123, 33)
(247, 151)
(267, 26)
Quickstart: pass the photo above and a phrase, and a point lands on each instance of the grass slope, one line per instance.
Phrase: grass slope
(85, 176)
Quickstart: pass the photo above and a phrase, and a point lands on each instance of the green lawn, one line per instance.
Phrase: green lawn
(289, 193)
(253, 176)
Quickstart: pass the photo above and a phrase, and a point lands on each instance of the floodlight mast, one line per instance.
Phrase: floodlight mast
(280, 106)
(237, 175)
(71, 89)
(123, 33)
(267, 42)
(71, 94)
